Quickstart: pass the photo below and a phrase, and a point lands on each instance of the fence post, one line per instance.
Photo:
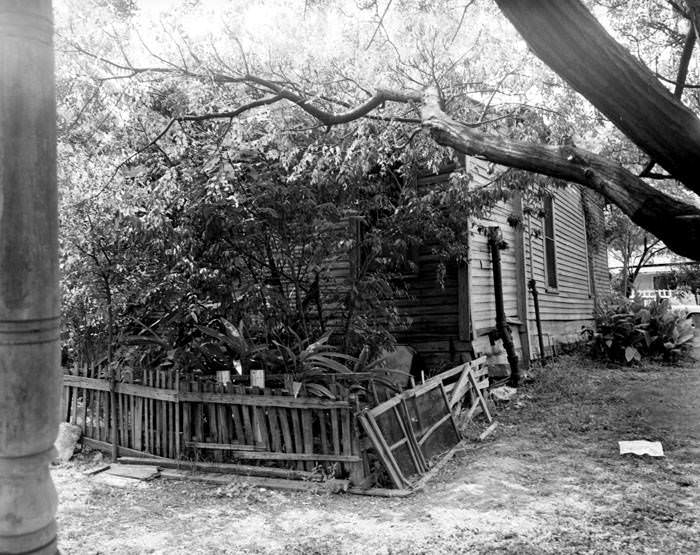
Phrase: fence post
(177, 414)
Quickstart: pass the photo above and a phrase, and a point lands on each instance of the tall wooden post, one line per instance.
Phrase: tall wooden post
(30, 377)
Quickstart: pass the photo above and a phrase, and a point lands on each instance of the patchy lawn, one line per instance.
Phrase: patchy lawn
(549, 480)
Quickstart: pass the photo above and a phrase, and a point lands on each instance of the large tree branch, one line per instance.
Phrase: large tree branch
(676, 223)
(565, 36)
(683, 64)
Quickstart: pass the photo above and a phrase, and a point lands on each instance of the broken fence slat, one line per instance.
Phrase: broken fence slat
(224, 468)
(334, 486)
(480, 398)
(382, 450)
(488, 431)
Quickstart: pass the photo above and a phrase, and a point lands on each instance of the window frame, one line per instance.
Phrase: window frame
(551, 280)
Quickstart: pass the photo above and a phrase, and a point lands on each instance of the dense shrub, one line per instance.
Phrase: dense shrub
(627, 331)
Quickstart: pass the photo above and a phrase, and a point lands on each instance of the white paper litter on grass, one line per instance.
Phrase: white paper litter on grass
(641, 447)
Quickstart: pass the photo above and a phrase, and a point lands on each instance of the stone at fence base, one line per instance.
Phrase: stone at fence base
(68, 437)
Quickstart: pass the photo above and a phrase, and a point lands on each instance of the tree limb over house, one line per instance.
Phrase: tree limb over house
(567, 37)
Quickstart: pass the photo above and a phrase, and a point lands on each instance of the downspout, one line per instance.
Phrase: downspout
(532, 285)
(495, 245)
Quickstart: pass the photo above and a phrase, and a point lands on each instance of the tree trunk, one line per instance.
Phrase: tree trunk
(676, 223)
(30, 373)
(565, 36)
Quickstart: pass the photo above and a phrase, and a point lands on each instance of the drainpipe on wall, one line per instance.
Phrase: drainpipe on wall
(495, 245)
(532, 284)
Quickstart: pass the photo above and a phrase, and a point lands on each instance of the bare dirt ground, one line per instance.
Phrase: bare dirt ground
(550, 480)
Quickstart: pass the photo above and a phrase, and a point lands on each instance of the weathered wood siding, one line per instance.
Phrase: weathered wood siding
(569, 306)
(482, 295)
(431, 311)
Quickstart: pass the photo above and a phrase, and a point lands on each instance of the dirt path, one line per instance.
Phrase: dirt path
(549, 481)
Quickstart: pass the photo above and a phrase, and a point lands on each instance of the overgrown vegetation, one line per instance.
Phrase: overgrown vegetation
(626, 331)
(229, 244)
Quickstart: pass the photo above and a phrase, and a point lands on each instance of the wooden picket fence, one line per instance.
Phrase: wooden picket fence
(155, 413)
(159, 414)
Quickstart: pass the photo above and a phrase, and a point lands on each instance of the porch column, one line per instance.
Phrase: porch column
(29, 300)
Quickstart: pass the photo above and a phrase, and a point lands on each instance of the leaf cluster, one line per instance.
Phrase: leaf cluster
(628, 332)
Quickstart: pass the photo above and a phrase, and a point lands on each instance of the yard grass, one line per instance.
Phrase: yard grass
(549, 480)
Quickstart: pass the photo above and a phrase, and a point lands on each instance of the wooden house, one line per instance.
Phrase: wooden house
(561, 252)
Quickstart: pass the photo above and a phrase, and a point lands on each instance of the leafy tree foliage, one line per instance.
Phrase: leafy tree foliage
(222, 148)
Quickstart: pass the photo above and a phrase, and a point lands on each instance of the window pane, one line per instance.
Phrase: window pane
(550, 261)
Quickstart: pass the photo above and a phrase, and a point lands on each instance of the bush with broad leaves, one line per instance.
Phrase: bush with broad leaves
(626, 332)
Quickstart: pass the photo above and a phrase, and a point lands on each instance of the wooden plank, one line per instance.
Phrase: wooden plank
(98, 415)
(74, 403)
(108, 418)
(186, 410)
(335, 431)
(98, 384)
(64, 404)
(447, 404)
(223, 418)
(85, 401)
(176, 409)
(107, 448)
(224, 446)
(151, 417)
(382, 449)
(225, 468)
(198, 416)
(461, 386)
(322, 415)
(163, 409)
(266, 455)
(399, 443)
(262, 401)
(138, 423)
(260, 419)
(273, 424)
(157, 418)
(170, 408)
(132, 421)
(307, 432)
(120, 420)
(345, 428)
(247, 421)
(288, 443)
(298, 437)
(430, 383)
(380, 492)
(146, 417)
(488, 431)
(90, 410)
(481, 400)
(334, 486)
(237, 417)
(137, 472)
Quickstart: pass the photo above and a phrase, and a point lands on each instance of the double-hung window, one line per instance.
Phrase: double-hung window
(550, 254)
